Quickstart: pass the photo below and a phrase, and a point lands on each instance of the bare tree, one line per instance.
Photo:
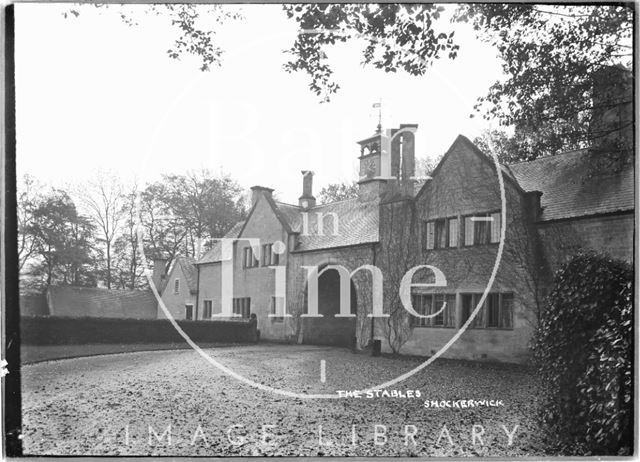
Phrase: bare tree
(27, 204)
(103, 200)
(127, 264)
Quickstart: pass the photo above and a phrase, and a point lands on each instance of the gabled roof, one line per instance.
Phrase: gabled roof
(101, 303)
(187, 265)
(215, 254)
(461, 139)
(570, 188)
(292, 214)
(357, 224)
(279, 215)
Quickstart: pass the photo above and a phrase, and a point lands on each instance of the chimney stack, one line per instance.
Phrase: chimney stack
(257, 191)
(307, 200)
(408, 153)
(159, 272)
(611, 125)
(532, 205)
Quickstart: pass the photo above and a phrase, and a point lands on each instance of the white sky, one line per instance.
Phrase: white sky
(94, 93)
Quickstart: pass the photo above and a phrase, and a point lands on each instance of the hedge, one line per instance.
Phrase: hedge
(583, 349)
(57, 330)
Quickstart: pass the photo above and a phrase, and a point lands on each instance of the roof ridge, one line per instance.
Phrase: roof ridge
(334, 202)
(575, 151)
(286, 203)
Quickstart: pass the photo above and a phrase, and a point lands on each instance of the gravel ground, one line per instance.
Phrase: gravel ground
(110, 405)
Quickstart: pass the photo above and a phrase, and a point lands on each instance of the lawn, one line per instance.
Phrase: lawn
(30, 354)
(117, 404)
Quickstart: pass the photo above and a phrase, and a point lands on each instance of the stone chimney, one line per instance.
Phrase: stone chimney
(257, 191)
(408, 166)
(532, 205)
(611, 127)
(307, 200)
(159, 272)
(403, 161)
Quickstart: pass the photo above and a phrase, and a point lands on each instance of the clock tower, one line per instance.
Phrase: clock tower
(374, 167)
(387, 161)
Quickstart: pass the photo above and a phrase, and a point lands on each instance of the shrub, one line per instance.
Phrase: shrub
(583, 348)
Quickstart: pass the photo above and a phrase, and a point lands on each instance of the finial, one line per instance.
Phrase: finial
(379, 106)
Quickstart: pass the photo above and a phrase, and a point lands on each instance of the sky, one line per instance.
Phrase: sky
(93, 93)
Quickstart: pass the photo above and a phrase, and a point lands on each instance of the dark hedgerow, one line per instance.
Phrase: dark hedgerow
(583, 349)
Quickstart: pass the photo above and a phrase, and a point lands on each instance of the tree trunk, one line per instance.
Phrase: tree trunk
(108, 264)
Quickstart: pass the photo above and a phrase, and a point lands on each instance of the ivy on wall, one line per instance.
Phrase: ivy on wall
(583, 349)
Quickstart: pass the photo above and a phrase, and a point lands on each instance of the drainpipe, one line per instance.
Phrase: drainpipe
(197, 292)
(373, 319)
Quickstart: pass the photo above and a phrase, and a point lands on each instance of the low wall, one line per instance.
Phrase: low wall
(57, 330)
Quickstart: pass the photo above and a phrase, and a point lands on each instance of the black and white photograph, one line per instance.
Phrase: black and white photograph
(319, 230)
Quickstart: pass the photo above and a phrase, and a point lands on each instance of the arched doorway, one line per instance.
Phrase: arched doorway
(329, 330)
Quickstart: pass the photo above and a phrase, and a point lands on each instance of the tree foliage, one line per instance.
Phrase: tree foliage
(62, 240)
(550, 54)
(195, 25)
(182, 214)
(508, 148)
(335, 192)
(583, 348)
(178, 215)
(397, 37)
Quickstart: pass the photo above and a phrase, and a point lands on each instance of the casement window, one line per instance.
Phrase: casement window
(276, 309)
(269, 257)
(440, 234)
(429, 235)
(242, 306)
(207, 309)
(495, 227)
(496, 313)
(482, 228)
(176, 286)
(426, 304)
(188, 314)
(249, 260)
(453, 232)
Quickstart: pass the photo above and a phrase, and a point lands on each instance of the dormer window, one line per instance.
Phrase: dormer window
(481, 229)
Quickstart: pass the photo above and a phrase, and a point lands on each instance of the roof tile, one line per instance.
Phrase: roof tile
(570, 189)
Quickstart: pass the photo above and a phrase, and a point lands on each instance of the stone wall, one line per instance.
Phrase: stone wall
(259, 283)
(349, 257)
(610, 234)
(209, 287)
(466, 183)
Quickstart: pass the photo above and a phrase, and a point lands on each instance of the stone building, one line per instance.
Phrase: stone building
(471, 250)
(178, 288)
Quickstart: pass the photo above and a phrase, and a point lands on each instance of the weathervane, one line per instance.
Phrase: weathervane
(379, 106)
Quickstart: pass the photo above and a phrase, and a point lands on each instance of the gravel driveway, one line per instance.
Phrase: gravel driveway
(117, 404)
